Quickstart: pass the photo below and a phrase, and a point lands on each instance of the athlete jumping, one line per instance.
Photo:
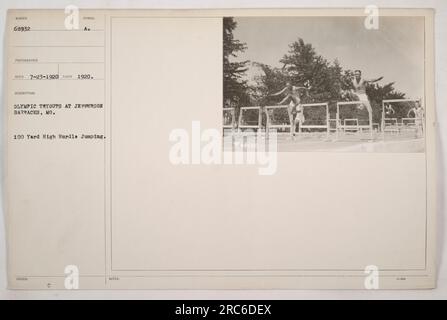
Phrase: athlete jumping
(295, 110)
(359, 91)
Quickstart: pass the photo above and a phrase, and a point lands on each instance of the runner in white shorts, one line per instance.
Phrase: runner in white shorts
(360, 91)
(418, 113)
(292, 93)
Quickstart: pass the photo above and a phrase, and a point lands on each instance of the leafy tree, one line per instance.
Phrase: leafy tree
(328, 80)
(234, 86)
(272, 80)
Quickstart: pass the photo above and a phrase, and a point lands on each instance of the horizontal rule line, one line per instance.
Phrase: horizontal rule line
(57, 79)
(66, 30)
(31, 46)
(60, 62)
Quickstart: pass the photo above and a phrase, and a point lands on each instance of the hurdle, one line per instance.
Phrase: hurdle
(409, 122)
(243, 124)
(289, 126)
(343, 126)
(324, 124)
(351, 125)
(392, 124)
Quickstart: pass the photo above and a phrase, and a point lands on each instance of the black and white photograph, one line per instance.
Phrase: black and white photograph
(326, 83)
(243, 153)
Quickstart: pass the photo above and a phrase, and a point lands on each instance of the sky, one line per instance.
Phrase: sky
(394, 51)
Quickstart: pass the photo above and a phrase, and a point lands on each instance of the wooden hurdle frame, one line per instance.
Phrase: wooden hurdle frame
(351, 127)
(291, 125)
(342, 127)
(322, 126)
(278, 126)
(245, 126)
(397, 127)
(410, 124)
